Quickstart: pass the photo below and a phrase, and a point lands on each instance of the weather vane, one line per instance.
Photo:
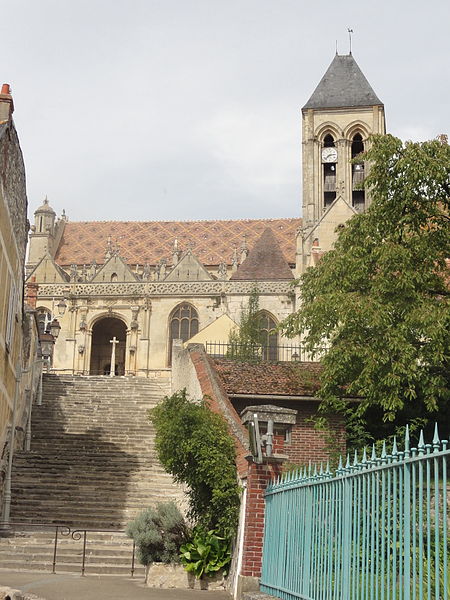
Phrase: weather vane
(350, 31)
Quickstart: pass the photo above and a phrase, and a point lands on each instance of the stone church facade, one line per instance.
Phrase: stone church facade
(144, 284)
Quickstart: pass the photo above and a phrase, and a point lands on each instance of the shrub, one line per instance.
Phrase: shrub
(206, 554)
(158, 533)
(194, 445)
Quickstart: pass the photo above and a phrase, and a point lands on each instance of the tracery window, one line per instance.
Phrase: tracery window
(44, 318)
(183, 324)
(269, 336)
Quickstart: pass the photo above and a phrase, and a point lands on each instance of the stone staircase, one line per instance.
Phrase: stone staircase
(92, 465)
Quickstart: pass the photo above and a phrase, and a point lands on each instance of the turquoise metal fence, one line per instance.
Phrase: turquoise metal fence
(376, 529)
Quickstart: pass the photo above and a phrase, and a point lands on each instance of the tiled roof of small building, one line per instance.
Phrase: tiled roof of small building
(287, 378)
(212, 242)
(265, 261)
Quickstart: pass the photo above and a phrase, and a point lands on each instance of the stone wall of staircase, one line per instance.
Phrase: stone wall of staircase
(92, 460)
(92, 464)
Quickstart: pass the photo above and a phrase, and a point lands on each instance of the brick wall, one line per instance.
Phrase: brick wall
(306, 443)
(258, 478)
(213, 390)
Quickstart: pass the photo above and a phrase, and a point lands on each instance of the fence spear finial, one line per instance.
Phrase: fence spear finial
(407, 438)
(383, 450)
(421, 440)
(374, 454)
(407, 442)
(436, 440)
(394, 447)
(364, 456)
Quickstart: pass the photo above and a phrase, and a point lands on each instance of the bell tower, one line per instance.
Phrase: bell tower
(337, 121)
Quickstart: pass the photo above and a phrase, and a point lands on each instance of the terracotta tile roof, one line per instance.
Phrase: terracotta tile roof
(265, 261)
(288, 378)
(148, 242)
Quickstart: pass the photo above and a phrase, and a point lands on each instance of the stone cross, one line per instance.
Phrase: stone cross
(112, 371)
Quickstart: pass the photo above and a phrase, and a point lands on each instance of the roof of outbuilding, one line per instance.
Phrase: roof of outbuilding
(265, 261)
(286, 378)
(212, 242)
(343, 85)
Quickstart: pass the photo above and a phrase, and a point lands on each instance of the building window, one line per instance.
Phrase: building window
(269, 336)
(44, 317)
(358, 194)
(183, 325)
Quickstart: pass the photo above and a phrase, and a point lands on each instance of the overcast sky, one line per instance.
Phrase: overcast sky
(190, 109)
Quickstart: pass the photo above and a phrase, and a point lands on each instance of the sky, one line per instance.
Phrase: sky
(191, 109)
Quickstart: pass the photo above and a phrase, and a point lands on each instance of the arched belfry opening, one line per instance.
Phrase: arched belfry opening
(104, 332)
(358, 194)
(329, 163)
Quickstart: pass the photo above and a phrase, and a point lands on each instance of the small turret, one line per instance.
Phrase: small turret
(45, 234)
(44, 219)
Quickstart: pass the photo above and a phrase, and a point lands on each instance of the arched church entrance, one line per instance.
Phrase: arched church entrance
(106, 333)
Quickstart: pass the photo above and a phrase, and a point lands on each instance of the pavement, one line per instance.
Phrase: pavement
(69, 586)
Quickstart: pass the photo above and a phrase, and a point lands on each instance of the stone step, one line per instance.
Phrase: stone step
(100, 553)
(90, 569)
(93, 462)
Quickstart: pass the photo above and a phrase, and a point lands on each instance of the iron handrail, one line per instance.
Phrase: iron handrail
(67, 531)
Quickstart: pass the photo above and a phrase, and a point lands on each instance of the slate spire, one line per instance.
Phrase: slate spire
(265, 261)
(343, 86)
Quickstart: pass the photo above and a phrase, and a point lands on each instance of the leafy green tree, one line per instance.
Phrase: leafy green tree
(244, 342)
(194, 445)
(380, 298)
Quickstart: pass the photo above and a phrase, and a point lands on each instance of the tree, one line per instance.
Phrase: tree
(380, 298)
(245, 341)
(194, 445)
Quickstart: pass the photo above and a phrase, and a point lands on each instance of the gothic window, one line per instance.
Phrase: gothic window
(329, 159)
(114, 277)
(358, 194)
(269, 336)
(183, 324)
(44, 318)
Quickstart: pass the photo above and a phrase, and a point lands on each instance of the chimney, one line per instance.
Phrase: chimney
(31, 292)
(6, 103)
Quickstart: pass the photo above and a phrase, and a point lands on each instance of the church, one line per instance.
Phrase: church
(123, 291)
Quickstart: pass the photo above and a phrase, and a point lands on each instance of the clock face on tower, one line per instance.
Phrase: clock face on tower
(329, 155)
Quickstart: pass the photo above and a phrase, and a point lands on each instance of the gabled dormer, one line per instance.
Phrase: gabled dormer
(114, 269)
(47, 271)
(188, 268)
